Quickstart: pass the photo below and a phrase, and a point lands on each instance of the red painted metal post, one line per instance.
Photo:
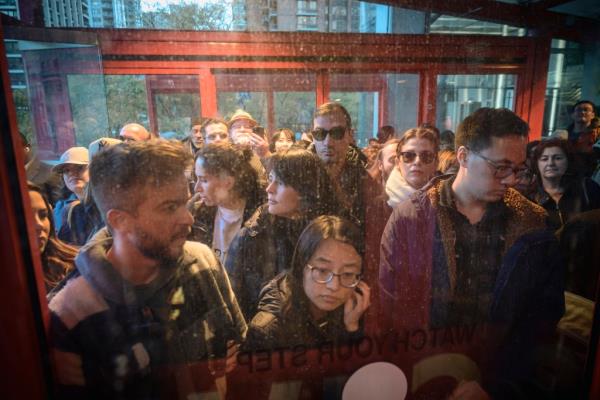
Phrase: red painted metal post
(323, 87)
(24, 370)
(208, 93)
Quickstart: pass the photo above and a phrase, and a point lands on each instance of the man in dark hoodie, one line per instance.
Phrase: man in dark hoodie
(144, 304)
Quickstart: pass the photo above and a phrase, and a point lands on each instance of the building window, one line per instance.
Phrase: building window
(307, 23)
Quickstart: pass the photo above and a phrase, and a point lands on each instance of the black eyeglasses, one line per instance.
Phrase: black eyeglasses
(337, 132)
(502, 171)
(408, 157)
(323, 275)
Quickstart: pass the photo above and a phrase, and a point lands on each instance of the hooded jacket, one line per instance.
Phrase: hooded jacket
(125, 334)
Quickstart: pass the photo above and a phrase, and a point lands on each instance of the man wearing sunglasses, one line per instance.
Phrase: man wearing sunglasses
(332, 138)
(469, 250)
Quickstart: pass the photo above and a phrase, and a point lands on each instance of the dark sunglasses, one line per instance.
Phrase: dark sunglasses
(337, 132)
(426, 157)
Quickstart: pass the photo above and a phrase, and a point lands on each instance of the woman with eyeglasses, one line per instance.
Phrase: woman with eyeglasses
(299, 190)
(229, 192)
(562, 193)
(321, 298)
(416, 164)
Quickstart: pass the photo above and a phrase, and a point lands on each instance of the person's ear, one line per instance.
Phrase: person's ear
(118, 220)
(228, 181)
(461, 155)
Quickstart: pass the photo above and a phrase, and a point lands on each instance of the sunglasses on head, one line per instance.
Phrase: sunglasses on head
(426, 157)
(337, 132)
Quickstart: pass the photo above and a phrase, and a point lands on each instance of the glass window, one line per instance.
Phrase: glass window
(564, 84)
(375, 100)
(460, 95)
(275, 100)
(446, 24)
(126, 100)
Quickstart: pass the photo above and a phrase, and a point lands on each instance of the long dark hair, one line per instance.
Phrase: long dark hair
(58, 257)
(320, 229)
(304, 171)
(234, 161)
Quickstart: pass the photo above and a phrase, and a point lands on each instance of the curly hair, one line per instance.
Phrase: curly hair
(222, 157)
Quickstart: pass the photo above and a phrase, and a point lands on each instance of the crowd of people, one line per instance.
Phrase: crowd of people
(159, 254)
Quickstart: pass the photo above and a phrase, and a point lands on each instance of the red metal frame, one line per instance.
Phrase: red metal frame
(201, 53)
(24, 370)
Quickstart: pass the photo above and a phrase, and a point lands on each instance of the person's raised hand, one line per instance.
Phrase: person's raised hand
(356, 306)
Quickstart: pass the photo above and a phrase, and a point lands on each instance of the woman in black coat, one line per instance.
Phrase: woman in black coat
(299, 190)
(562, 193)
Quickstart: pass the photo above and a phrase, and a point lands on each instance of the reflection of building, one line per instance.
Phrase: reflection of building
(66, 13)
(115, 13)
(10, 8)
(326, 16)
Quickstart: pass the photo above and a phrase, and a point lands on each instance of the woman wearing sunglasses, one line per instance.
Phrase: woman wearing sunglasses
(299, 190)
(416, 164)
(321, 298)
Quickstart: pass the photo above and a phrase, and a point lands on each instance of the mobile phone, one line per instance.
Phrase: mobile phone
(259, 130)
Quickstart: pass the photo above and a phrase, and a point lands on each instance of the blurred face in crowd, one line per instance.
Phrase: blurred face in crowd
(481, 176)
(387, 160)
(553, 163)
(241, 131)
(134, 133)
(215, 133)
(196, 136)
(417, 161)
(161, 223)
(41, 219)
(283, 143)
(214, 190)
(283, 200)
(331, 256)
(76, 177)
(329, 149)
(583, 113)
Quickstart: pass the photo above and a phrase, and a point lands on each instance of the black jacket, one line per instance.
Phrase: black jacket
(261, 250)
(272, 328)
(581, 194)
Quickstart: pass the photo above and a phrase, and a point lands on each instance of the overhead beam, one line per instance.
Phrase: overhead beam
(541, 22)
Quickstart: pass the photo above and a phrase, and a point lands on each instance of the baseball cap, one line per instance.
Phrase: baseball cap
(74, 155)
